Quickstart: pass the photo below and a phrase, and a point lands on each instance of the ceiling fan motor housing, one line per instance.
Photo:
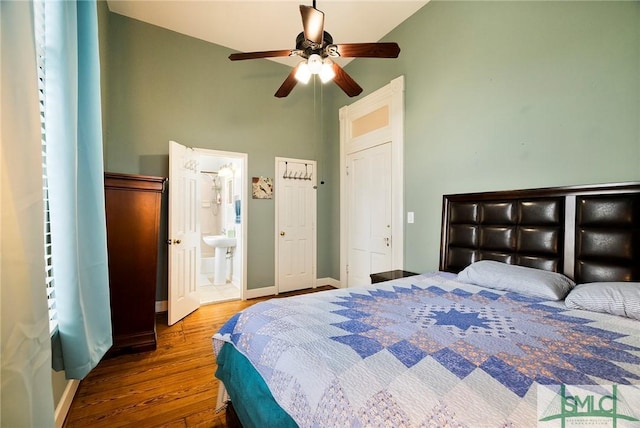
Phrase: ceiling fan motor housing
(307, 48)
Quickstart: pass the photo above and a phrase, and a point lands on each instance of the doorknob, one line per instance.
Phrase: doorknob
(282, 233)
(174, 241)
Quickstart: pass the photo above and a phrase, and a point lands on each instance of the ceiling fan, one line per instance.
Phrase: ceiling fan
(315, 46)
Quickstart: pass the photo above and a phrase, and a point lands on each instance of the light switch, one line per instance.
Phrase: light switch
(410, 217)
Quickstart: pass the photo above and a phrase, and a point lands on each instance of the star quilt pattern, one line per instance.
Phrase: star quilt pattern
(427, 351)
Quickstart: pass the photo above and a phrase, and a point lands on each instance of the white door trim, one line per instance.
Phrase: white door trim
(390, 96)
(244, 205)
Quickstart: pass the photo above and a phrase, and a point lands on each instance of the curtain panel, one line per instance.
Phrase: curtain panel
(76, 186)
(25, 349)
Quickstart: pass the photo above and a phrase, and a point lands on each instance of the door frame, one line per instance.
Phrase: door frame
(244, 191)
(390, 96)
(314, 211)
(243, 158)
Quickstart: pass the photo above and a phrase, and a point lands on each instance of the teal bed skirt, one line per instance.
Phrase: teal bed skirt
(251, 399)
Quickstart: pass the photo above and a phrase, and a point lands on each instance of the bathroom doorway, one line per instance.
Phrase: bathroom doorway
(221, 267)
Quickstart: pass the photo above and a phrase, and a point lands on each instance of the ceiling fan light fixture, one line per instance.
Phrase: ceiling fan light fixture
(303, 74)
(326, 71)
(315, 63)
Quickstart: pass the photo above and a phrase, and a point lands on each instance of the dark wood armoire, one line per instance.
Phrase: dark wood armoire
(133, 205)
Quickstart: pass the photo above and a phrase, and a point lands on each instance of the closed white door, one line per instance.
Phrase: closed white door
(295, 198)
(369, 240)
(184, 232)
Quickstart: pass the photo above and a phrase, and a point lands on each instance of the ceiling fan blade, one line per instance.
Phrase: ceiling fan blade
(256, 55)
(369, 50)
(288, 84)
(345, 82)
(313, 23)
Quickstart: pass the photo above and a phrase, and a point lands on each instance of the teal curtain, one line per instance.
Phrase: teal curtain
(76, 186)
(25, 347)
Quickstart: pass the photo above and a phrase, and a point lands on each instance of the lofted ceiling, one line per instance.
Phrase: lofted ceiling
(262, 25)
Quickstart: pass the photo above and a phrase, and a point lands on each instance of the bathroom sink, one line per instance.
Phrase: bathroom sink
(219, 241)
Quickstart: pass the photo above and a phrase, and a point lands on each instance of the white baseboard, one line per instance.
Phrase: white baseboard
(65, 402)
(260, 292)
(162, 306)
(271, 291)
(328, 281)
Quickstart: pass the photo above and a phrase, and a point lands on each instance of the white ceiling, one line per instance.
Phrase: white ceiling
(260, 25)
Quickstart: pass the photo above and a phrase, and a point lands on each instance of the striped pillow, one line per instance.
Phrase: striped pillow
(617, 298)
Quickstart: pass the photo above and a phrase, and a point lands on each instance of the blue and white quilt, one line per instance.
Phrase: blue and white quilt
(427, 351)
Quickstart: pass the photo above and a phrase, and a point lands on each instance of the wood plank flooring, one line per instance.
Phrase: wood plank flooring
(173, 386)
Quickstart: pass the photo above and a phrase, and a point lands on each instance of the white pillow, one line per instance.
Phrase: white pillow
(520, 279)
(617, 298)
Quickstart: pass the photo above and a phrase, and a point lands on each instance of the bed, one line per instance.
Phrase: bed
(533, 318)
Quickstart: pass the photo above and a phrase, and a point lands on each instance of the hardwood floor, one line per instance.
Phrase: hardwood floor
(173, 386)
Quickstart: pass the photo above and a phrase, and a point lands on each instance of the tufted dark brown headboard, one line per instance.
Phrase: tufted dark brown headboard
(589, 233)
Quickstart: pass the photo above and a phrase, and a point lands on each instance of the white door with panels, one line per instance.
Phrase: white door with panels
(184, 232)
(295, 200)
(369, 209)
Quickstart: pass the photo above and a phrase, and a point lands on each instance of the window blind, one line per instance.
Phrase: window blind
(39, 28)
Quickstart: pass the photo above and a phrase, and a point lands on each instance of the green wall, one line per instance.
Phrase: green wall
(499, 95)
(165, 86)
(507, 95)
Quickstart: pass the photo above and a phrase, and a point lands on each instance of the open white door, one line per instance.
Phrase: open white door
(295, 196)
(184, 233)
